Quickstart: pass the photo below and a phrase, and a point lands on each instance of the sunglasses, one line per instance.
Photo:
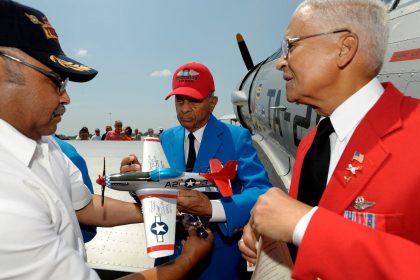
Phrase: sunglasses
(195, 221)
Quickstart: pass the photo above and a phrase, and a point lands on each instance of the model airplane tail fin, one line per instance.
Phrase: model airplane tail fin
(221, 176)
(153, 155)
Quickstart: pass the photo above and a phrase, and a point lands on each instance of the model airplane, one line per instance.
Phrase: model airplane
(160, 184)
(170, 178)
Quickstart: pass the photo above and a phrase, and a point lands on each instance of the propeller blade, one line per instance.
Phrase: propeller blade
(103, 196)
(103, 186)
(103, 173)
(244, 51)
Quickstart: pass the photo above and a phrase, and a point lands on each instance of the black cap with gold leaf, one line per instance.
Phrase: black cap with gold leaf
(29, 30)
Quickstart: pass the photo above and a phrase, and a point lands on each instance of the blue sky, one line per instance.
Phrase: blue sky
(136, 45)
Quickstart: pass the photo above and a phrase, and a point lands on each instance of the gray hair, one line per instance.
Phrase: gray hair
(366, 18)
(13, 70)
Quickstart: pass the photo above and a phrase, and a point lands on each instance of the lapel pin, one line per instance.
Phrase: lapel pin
(361, 204)
(347, 179)
(353, 169)
(358, 156)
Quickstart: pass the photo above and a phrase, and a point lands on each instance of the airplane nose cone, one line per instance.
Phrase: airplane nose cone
(101, 180)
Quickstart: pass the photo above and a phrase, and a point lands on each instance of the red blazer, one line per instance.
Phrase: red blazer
(334, 247)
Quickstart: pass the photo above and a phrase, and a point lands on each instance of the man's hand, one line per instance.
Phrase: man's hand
(196, 248)
(276, 214)
(130, 164)
(247, 245)
(194, 202)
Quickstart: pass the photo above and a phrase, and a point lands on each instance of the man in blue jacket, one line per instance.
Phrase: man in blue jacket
(190, 146)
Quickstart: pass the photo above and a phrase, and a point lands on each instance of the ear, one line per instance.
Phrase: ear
(348, 49)
(213, 103)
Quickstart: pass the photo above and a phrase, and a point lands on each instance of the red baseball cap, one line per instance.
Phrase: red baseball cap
(192, 80)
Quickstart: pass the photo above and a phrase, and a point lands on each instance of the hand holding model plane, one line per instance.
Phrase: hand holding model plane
(130, 164)
(194, 202)
(191, 201)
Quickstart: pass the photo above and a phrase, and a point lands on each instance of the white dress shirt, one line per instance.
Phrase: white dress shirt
(344, 119)
(40, 189)
(218, 212)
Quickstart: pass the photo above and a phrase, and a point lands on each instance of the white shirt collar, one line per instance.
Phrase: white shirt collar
(346, 117)
(198, 134)
(20, 146)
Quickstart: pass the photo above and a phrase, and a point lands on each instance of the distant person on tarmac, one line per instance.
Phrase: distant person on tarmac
(115, 134)
(126, 134)
(97, 135)
(107, 129)
(137, 135)
(83, 134)
(151, 132)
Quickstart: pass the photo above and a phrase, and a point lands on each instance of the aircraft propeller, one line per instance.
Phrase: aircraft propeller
(244, 51)
(102, 181)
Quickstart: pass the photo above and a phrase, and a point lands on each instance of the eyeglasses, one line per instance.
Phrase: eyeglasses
(56, 78)
(195, 221)
(287, 42)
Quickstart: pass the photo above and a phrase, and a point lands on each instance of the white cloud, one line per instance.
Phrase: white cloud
(82, 52)
(161, 73)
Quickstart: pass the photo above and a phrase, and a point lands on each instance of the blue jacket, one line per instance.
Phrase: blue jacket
(224, 142)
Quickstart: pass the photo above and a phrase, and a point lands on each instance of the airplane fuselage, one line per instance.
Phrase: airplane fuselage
(160, 178)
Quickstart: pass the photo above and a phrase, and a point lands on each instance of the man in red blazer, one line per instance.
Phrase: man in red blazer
(366, 224)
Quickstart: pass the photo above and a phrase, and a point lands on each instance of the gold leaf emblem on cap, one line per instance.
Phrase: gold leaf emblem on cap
(69, 64)
(46, 26)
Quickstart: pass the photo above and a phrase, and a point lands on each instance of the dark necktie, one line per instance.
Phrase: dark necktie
(313, 178)
(191, 154)
(180, 232)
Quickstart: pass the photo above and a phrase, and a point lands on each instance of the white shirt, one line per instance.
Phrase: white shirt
(198, 134)
(96, 137)
(40, 235)
(344, 119)
(218, 211)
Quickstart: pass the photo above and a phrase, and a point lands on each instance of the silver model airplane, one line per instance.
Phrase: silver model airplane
(162, 178)
(261, 105)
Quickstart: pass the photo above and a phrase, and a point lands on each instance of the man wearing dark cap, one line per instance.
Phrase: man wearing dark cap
(42, 195)
(190, 146)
